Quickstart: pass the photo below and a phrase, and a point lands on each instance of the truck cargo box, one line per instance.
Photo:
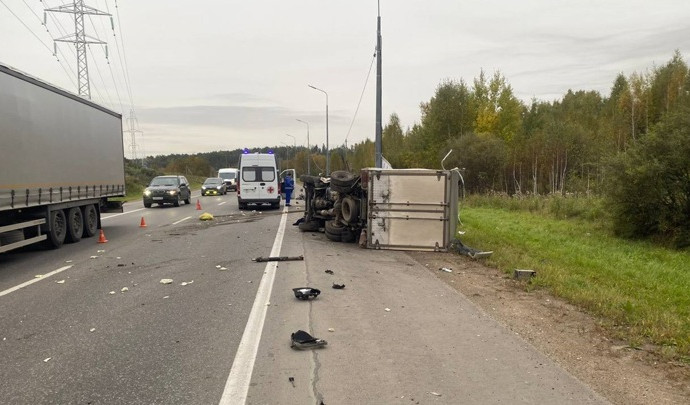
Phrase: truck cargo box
(55, 146)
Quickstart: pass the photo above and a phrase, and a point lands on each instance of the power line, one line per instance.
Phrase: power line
(122, 55)
(37, 37)
(360, 99)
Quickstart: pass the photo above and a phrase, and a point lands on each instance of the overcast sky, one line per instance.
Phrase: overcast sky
(219, 75)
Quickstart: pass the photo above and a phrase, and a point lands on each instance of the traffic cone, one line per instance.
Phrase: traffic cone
(101, 238)
(198, 205)
(143, 223)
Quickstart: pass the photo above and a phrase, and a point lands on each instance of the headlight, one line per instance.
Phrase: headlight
(147, 192)
(172, 192)
(203, 187)
(219, 187)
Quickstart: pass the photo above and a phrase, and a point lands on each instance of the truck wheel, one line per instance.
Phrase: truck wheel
(334, 231)
(90, 221)
(75, 225)
(350, 210)
(309, 226)
(58, 229)
(177, 202)
(342, 178)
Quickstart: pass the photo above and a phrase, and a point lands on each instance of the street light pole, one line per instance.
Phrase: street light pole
(308, 148)
(328, 152)
(294, 147)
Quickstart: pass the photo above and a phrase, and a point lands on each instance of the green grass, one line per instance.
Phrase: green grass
(639, 290)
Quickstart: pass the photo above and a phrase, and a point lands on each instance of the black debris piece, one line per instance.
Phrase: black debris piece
(121, 265)
(299, 221)
(303, 340)
(304, 293)
(329, 271)
(292, 381)
(338, 286)
(278, 259)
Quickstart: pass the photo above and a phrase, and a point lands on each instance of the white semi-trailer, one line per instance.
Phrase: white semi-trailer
(61, 161)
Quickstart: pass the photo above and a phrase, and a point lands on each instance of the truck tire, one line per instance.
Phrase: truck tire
(348, 236)
(350, 210)
(90, 216)
(75, 225)
(334, 231)
(309, 226)
(58, 229)
(342, 178)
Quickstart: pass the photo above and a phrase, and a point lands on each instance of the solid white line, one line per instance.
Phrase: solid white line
(123, 213)
(222, 203)
(182, 220)
(35, 280)
(237, 385)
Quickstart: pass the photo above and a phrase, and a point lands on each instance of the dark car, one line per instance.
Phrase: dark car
(167, 190)
(214, 186)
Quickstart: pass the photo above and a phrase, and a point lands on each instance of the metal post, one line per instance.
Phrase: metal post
(378, 155)
(308, 148)
(328, 152)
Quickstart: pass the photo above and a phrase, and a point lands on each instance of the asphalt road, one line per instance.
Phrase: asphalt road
(396, 334)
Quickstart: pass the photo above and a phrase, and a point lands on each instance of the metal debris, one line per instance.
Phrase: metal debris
(446, 269)
(338, 286)
(329, 271)
(277, 259)
(304, 293)
(303, 340)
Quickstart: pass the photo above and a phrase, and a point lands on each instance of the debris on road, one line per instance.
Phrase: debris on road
(186, 282)
(69, 261)
(112, 293)
(92, 330)
(124, 289)
(277, 259)
(303, 340)
(60, 282)
(100, 251)
(468, 251)
(166, 281)
(121, 265)
(446, 269)
(331, 330)
(218, 266)
(387, 310)
(222, 268)
(519, 274)
(304, 293)
(94, 257)
(292, 381)
(338, 286)
(435, 394)
(206, 217)
(329, 271)
(47, 360)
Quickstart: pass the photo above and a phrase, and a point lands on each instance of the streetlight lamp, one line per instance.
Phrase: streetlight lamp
(328, 152)
(308, 148)
(294, 147)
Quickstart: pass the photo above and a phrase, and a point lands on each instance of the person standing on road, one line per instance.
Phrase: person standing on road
(289, 185)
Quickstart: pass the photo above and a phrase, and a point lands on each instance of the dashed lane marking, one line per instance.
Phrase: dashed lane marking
(35, 280)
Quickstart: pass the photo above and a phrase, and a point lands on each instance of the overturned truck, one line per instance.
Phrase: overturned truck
(401, 209)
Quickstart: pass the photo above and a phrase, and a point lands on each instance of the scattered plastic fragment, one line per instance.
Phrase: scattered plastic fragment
(304, 293)
(92, 330)
(121, 265)
(68, 261)
(186, 282)
(124, 289)
(435, 394)
(118, 258)
(94, 257)
(338, 286)
(218, 266)
(446, 269)
(112, 293)
(387, 310)
(303, 340)
(60, 282)
(292, 381)
(331, 330)
(166, 281)
(47, 360)
(329, 271)
(100, 251)
(206, 217)
(167, 296)
(223, 268)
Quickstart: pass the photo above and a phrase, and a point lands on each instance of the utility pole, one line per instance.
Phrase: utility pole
(378, 158)
(79, 39)
(133, 131)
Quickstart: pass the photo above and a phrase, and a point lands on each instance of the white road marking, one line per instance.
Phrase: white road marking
(182, 220)
(237, 385)
(222, 203)
(35, 280)
(123, 213)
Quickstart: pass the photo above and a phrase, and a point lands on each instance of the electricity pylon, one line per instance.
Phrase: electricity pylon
(133, 131)
(80, 39)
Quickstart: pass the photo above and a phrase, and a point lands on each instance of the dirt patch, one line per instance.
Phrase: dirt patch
(566, 334)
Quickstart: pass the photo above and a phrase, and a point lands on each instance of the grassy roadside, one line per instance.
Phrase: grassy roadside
(640, 291)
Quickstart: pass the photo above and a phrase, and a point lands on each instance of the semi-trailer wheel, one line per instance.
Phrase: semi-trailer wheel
(75, 225)
(90, 220)
(58, 229)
